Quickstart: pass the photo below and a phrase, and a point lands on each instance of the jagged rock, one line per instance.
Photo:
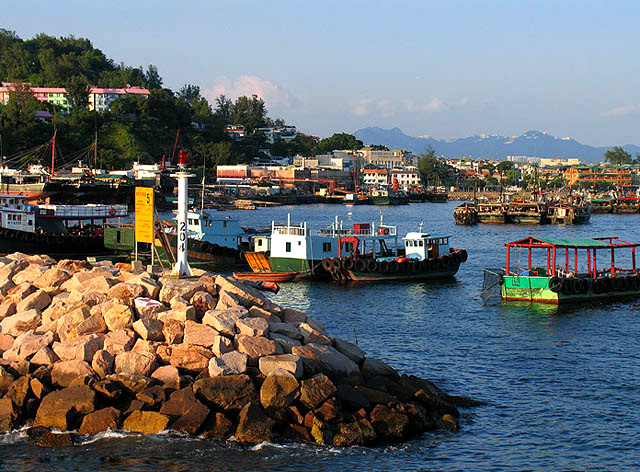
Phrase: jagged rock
(231, 392)
(230, 363)
(7, 308)
(29, 275)
(375, 396)
(279, 390)
(286, 329)
(200, 334)
(289, 362)
(321, 432)
(173, 331)
(351, 398)
(5, 286)
(20, 291)
(247, 296)
(218, 427)
(163, 353)
(252, 326)
(125, 292)
(9, 414)
(51, 439)
(133, 383)
(224, 321)
(221, 345)
(389, 425)
(15, 368)
(153, 395)
(27, 344)
(135, 362)
(102, 363)
(149, 308)
(118, 316)
(19, 323)
(257, 312)
(256, 347)
(44, 356)
(6, 342)
(358, 433)
(54, 311)
(67, 323)
(350, 350)
(190, 357)
(38, 300)
(179, 303)
(119, 341)
(316, 390)
(190, 411)
(62, 409)
(448, 422)
(82, 348)
(9, 270)
(99, 283)
(372, 367)
(318, 358)
(168, 376)
(177, 287)
(74, 265)
(203, 301)
(311, 335)
(52, 277)
(254, 426)
(65, 372)
(99, 421)
(38, 389)
(149, 329)
(147, 422)
(182, 314)
(295, 317)
(18, 391)
(285, 342)
(151, 288)
(227, 300)
(94, 324)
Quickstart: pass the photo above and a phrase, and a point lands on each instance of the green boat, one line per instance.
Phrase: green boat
(563, 279)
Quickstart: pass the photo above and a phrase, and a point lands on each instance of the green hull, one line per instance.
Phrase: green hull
(285, 264)
(491, 218)
(525, 219)
(536, 289)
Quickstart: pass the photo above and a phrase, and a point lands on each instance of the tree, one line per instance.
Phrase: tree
(339, 141)
(78, 93)
(617, 156)
(432, 169)
(189, 93)
(504, 166)
(250, 112)
(223, 107)
(152, 77)
(379, 147)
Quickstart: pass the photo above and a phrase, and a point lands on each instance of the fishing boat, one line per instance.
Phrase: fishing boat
(602, 205)
(466, 214)
(569, 214)
(364, 252)
(626, 205)
(387, 196)
(565, 277)
(351, 199)
(57, 230)
(526, 212)
(492, 212)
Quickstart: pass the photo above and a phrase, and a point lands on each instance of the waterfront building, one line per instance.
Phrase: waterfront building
(388, 159)
(406, 178)
(375, 177)
(599, 175)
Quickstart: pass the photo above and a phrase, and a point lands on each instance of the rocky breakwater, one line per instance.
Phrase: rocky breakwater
(87, 348)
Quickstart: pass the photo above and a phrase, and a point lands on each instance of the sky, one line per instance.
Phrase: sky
(444, 69)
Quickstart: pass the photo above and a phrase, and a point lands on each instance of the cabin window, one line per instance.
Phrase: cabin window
(259, 242)
(30, 222)
(348, 246)
(421, 243)
(287, 247)
(118, 237)
(326, 247)
(224, 224)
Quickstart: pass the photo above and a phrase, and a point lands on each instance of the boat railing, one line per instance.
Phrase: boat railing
(291, 230)
(89, 211)
(382, 230)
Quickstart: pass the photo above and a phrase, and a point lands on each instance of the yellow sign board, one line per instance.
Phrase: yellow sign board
(144, 214)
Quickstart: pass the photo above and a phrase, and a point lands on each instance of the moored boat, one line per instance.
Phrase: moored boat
(466, 214)
(526, 212)
(492, 212)
(562, 279)
(569, 214)
(602, 205)
(626, 205)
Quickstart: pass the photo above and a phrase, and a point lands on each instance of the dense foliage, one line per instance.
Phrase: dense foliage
(134, 128)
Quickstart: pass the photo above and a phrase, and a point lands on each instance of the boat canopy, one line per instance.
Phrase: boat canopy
(577, 243)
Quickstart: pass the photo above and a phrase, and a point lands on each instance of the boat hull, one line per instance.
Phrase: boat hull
(491, 218)
(523, 219)
(536, 290)
(351, 276)
(58, 246)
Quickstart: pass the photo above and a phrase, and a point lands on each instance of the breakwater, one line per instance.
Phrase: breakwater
(89, 348)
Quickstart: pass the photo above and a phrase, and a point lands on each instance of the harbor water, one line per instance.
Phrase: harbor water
(561, 384)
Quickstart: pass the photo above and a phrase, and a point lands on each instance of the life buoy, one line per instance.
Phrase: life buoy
(383, 267)
(326, 264)
(628, 283)
(336, 264)
(372, 265)
(405, 267)
(596, 286)
(206, 247)
(361, 265)
(112, 211)
(348, 263)
(555, 284)
(607, 284)
(336, 275)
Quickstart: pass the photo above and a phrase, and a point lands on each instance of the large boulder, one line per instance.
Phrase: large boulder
(27, 344)
(352, 351)
(102, 363)
(9, 414)
(279, 390)
(256, 347)
(19, 323)
(390, 426)
(286, 329)
(190, 412)
(254, 426)
(222, 345)
(99, 421)
(252, 326)
(190, 357)
(246, 295)
(285, 342)
(52, 277)
(230, 363)
(62, 409)
(203, 301)
(147, 422)
(167, 375)
(148, 307)
(319, 358)
(82, 348)
(231, 392)
(289, 362)
(135, 362)
(172, 287)
(119, 341)
(316, 390)
(224, 321)
(119, 316)
(44, 357)
(125, 292)
(373, 367)
(38, 300)
(94, 324)
(200, 334)
(7, 308)
(173, 331)
(149, 329)
(64, 373)
(66, 325)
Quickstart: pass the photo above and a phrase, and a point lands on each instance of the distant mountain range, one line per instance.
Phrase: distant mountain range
(531, 143)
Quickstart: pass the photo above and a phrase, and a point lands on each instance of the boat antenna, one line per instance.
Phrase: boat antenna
(380, 216)
(420, 226)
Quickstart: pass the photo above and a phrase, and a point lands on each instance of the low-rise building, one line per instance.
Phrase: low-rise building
(236, 132)
(388, 159)
(375, 177)
(407, 179)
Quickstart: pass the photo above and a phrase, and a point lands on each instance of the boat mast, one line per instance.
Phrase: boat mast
(204, 168)
(53, 152)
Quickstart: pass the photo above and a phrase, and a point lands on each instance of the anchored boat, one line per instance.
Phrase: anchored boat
(566, 278)
(364, 252)
(569, 214)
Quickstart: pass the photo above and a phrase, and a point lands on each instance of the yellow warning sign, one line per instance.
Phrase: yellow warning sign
(144, 214)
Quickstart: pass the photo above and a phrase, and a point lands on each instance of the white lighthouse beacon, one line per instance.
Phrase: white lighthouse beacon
(181, 268)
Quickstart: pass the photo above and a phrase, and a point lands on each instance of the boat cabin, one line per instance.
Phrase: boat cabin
(423, 246)
(15, 214)
(223, 231)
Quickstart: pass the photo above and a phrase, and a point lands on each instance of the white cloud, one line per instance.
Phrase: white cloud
(622, 111)
(274, 95)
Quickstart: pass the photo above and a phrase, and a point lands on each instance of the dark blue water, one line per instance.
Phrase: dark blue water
(561, 385)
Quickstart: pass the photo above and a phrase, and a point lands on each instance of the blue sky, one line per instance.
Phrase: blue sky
(443, 69)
